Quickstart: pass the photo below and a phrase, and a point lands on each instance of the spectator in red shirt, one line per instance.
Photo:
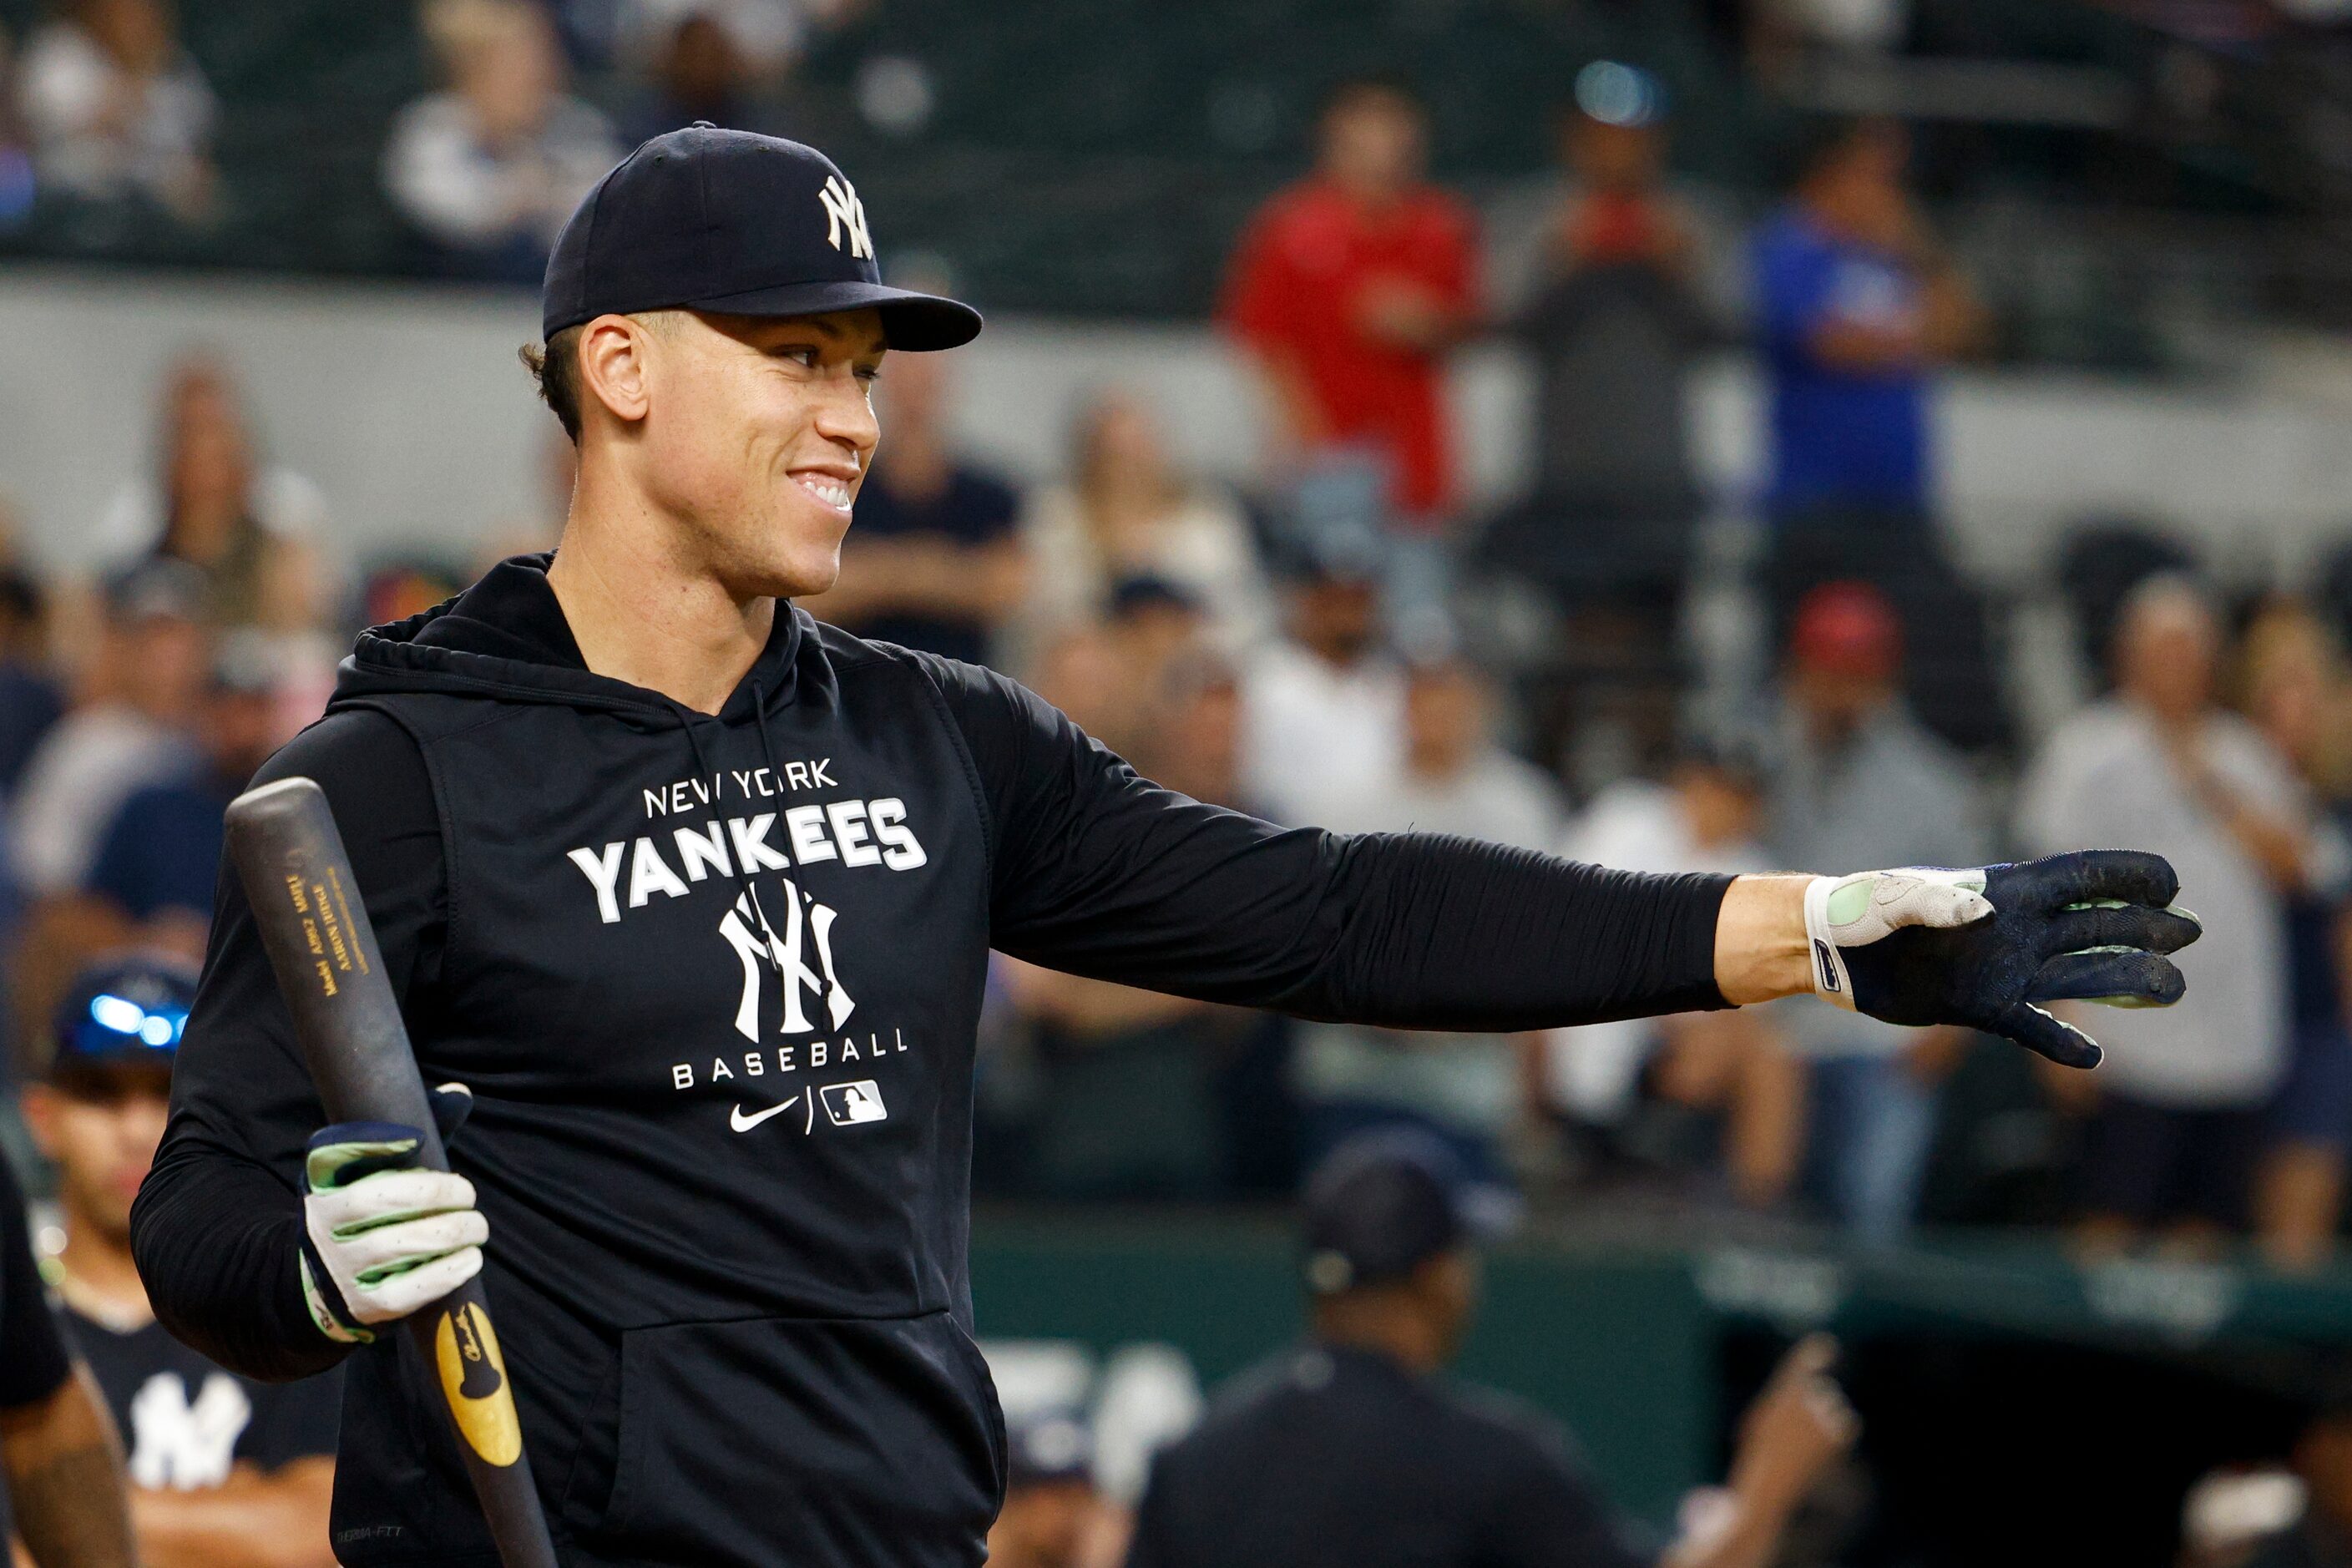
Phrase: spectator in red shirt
(1348, 289)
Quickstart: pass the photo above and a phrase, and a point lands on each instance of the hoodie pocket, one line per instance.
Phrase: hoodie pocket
(839, 1442)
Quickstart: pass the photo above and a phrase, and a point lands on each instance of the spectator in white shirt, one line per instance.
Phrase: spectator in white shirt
(131, 729)
(490, 168)
(2178, 1121)
(1324, 707)
(1127, 512)
(1731, 1065)
(1452, 778)
(117, 109)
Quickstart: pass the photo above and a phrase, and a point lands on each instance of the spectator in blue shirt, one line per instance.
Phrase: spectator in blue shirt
(30, 699)
(1857, 307)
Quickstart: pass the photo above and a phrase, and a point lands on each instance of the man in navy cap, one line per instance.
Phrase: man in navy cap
(223, 1470)
(1052, 1510)
(1352, 1451)
(61, 1486)
(697, 893)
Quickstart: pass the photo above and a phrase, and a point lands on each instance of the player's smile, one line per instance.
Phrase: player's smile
(828, 487)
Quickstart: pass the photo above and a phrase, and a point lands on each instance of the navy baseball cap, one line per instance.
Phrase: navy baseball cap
(729, 221)
(1048, 1446)
(1387, 1201)
(125, 1011)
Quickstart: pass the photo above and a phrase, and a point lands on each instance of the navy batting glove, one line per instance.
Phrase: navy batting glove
(1983, 947)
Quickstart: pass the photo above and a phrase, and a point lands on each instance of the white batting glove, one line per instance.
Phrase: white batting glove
(383, 1237)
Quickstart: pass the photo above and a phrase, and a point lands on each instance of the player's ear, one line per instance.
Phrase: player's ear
(614, 366)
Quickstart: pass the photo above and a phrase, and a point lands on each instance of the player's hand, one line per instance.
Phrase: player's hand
(1983, 947)
(1798, 1426)
(383, 1237)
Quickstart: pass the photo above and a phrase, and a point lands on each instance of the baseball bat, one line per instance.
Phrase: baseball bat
(283, 841)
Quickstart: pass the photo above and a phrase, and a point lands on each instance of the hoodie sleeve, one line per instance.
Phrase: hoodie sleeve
(1100, 872)
(218, 1226)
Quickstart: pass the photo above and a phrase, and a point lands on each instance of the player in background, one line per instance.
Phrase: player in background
(1352, 1451)
(1053, 1516)
(225, 1473)
(60, 1463)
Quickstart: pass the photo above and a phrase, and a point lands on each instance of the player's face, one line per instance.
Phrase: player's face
(1043, 1524)
(101, 1137)
(759, 437)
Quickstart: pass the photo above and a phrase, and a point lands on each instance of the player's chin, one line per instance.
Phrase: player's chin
(800, 571)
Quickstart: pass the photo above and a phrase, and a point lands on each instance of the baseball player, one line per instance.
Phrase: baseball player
(60, 1461)
(696, 895)
(1354, 1450)
(224, 1472)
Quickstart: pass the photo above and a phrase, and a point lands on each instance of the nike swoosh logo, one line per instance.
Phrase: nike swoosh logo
(742, 1123)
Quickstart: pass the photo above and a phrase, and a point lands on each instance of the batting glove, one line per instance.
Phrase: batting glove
(383, 1237)
(1982, 947)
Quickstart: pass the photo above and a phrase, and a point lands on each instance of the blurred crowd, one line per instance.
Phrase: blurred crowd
(105, 112)
(1346, 643)
(1321, 648)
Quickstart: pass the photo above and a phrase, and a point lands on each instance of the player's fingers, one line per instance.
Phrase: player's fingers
(2118, 977)
(2119, 925)
(2133, 876)
(404, 1293)
(1841, 1424)
(412, 1241)
(1811, 1356)
(2038, 1030)
(389, 1196)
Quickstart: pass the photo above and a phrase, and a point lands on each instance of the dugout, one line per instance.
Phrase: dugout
(2086, 1397)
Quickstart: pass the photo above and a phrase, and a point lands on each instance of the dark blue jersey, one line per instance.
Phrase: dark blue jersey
(1332, 1458)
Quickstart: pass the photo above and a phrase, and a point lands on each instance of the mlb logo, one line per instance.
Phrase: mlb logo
(852, 1102)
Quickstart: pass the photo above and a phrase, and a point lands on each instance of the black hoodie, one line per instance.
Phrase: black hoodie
(714, 983)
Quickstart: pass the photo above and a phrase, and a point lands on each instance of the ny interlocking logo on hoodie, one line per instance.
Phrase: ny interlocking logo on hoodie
(784, 932)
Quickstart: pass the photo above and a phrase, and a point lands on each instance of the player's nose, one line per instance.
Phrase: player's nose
(845, 415)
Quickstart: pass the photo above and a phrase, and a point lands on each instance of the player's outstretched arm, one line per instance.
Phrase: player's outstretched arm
(1983, 947)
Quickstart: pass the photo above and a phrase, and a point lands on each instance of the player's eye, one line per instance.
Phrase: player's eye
(799, 353)
(868, 374)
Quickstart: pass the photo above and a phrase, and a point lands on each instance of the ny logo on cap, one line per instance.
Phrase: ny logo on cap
(844, 210)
